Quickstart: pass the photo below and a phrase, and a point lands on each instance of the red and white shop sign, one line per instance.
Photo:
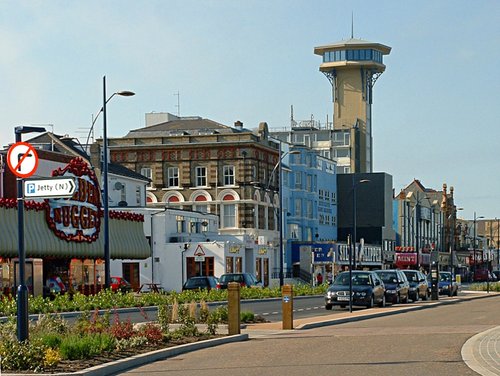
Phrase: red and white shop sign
(406, 259)
(77, 218)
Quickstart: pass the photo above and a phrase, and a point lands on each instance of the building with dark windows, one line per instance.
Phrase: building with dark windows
(371, 210)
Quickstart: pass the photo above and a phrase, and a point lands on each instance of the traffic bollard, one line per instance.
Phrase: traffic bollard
(287, 307)
(233, 307)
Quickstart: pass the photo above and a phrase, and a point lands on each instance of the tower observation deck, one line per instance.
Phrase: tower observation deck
(352, 67)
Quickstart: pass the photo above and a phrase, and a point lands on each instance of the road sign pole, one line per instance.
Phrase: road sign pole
(16, 165)
(22, 290)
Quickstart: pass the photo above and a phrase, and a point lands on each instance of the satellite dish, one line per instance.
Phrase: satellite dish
(119, 186)
(123, 203)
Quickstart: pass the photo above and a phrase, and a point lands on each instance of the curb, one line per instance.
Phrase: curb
(141, 359)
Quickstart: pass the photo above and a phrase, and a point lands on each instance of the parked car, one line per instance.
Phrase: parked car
(447, 284)
(120, 284)
(397, 288)
(496, 274)
(483, 275)
(419, 287)
(244, 279)
(201, 282)
(367, 288)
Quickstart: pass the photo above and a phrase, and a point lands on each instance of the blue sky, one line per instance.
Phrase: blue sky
(434, 112)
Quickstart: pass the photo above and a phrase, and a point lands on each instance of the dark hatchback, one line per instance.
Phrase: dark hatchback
(419, 288)
(244, 279)
(397, 288)
(447, 284)
(368, 290)
(202, 282)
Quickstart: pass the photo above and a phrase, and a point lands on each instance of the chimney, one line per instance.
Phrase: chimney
(238, 125)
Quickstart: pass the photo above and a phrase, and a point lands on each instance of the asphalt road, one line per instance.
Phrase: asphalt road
(424, 342)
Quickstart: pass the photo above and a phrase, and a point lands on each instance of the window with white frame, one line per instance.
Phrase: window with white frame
(172, 177)
(228, 173)
(309, 209)
(298, 180)
(148, 172)
(228, 211)
(294, 231)
(309, 183)
(298, 207)
(201, 176)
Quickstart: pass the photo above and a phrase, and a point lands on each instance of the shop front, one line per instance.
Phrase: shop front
(63, 238)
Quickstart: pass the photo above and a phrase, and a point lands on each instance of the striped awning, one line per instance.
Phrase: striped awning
(126, 238)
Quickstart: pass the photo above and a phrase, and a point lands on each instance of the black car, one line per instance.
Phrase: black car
(244, 279)
(397, 288)
(203, 282)
(419, 288)
(367, 288)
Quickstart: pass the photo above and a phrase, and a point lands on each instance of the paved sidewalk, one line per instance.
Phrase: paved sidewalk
(481, 352)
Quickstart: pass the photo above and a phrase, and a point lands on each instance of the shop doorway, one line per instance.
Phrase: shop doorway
(130, 271)
(198, 268)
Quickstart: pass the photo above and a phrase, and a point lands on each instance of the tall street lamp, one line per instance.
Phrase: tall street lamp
(280, 216)
(22, 289)
(474, 245)
(453, 217)
(354, 215)
(107, 272)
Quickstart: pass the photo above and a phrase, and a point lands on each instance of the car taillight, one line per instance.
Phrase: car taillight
(217, 286)
(242, 284)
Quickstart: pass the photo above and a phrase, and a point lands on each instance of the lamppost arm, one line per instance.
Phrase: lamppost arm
(123, 93)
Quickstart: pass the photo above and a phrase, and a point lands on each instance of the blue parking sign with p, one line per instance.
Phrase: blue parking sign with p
(30, 188)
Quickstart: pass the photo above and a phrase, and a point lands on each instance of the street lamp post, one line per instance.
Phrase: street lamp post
(354, 215)
(22, 289)
(474, 245)
(107, 259)
(280, 208)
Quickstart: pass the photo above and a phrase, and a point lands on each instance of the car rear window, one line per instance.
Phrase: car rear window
(196, 282)
(388, 277)
(226, 278)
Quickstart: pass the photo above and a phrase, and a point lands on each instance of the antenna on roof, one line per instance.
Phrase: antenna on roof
(352, 24)
(178, 103)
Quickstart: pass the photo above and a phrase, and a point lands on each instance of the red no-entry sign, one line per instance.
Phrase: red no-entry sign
(22, 159)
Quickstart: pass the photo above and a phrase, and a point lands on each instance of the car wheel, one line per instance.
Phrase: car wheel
(450, 294)
(370, 304)
(328, 307)
(382, 302)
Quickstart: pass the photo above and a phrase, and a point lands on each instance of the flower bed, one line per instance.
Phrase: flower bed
(55, 346)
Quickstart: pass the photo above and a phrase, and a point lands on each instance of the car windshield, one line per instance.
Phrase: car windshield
(445, 277)
(388, 277)
(358, 279)
(412, 277)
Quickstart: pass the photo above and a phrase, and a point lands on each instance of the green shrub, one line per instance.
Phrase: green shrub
(86, 346)
(247, 316)
(52, 340)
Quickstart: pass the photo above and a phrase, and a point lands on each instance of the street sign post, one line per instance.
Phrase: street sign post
(49, 188)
